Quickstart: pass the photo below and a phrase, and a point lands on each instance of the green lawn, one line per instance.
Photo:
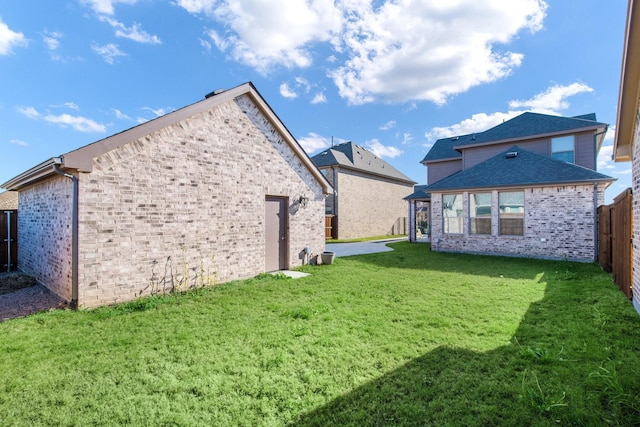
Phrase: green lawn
(408, 337)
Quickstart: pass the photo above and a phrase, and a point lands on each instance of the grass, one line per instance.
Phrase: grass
(367, 239)
(408, 337)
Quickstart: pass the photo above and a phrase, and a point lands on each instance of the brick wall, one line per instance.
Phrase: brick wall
(370, 206)
(44, 234)
(182, 206)
(636, 214)
(559, 223)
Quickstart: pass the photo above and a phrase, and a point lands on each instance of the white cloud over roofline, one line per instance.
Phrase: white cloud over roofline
(550, 101)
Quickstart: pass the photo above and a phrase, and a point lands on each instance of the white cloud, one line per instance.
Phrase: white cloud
(79, 123)
(547, 102)
(109, 52)
(134, 32)
(105, 6)
(553, 99)
(10, 39)
(287, 92)
(69, 105)
(267, 34)
(389, 125)
(314, 142)
(18, 142)
(120, 115)
(605, 155)
(388, 50)
(52, 40)
(432, 50)
(319, 98)
(476, 123)
(406, 138)
(29, 112)
(158, 111)
(380, 150)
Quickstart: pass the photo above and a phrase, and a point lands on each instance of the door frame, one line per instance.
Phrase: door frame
(283, 256)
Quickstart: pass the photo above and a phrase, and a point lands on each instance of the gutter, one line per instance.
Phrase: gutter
(57, 161)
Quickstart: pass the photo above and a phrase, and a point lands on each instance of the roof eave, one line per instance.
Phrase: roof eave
(608, 181)
(36, 173)
(629, 88)
(530, 137)
(367, 172)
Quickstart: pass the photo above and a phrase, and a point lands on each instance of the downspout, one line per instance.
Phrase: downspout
(74, 231)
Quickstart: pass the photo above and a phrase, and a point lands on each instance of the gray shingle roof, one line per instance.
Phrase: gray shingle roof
(9, 200)
(353, 156)
(524, 126)
(419, 193)
(524, 169)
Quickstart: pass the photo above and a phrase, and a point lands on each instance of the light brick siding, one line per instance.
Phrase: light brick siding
(636, 214)
(44, 234)
(188, 200)
(559, 223)
(369, 206)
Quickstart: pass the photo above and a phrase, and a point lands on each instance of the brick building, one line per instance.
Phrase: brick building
(216, 191)
(368, 192)
(537, 198)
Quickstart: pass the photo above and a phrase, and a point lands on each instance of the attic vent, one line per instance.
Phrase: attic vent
(511, 154)
(215, 92)
(455, 138)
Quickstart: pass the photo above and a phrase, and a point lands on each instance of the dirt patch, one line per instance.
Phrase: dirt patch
(14, 281)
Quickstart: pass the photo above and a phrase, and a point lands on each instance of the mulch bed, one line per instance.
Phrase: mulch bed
(14, 281)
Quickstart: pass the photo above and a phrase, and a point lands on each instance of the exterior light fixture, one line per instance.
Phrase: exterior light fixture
(303, 201)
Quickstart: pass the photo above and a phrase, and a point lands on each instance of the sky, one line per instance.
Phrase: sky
(392, 76)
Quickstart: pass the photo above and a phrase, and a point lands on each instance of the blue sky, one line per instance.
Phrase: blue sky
(392, 76)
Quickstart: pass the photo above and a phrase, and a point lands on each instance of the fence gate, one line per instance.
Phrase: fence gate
(615, 246)
(8, 240)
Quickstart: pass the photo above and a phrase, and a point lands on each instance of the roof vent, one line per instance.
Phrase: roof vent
(215, 92)
(511, 154)
(455, 138)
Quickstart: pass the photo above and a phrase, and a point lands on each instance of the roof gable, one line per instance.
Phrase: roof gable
(517, 167)
(353, 156)
(81, 159)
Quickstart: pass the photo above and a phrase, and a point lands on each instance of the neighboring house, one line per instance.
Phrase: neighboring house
(368, 192)
(215, 191)
(627, 139)
(527, 187)
(8, 200)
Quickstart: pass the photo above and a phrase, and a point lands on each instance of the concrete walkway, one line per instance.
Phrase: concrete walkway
(360, 248)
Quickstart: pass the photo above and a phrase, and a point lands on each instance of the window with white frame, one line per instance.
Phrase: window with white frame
(480, 213)
(452, 213)
(511, 213)
(563, 148)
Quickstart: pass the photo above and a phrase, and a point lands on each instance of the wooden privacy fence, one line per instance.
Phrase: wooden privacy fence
(329, 226)
(8, 240)
(615, 240)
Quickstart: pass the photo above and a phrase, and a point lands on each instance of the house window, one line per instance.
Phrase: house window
(452, 213)
(480, 213)
(562, 148)
(511, 213)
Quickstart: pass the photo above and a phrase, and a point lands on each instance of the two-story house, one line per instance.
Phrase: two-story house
(527, 187)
